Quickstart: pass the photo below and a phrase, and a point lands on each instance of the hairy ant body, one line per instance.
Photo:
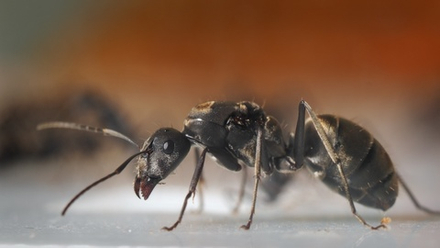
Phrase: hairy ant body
(339, 152)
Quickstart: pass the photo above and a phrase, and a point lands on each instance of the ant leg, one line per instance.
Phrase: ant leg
(336, 160)
(241, 191)
(256, 179)
(199, 185)
(192, 189)
(298, 139)
(413, 198)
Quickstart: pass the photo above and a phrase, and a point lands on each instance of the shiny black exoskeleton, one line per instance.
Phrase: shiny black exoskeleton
(229, 131)
(368, 169)
(339, 152)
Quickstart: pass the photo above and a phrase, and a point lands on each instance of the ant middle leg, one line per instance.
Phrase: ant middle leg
(241, 191)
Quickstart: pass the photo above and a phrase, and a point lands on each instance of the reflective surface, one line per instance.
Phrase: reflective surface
(306, 215)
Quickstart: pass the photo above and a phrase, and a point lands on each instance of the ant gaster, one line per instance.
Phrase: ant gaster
(345, 156)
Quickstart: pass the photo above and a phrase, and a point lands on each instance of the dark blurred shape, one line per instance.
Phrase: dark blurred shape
(284, 109)
(274, 185)
(427, 118)
(19, 139)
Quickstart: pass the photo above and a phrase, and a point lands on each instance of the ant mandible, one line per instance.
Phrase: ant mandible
(342, 154)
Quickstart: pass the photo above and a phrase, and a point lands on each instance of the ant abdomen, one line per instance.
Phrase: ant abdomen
(367, 166)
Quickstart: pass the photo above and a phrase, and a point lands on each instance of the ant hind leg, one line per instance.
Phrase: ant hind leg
(337, 161)
(413, 198)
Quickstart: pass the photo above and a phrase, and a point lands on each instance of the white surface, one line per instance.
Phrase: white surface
(111, 216)
(143, 230)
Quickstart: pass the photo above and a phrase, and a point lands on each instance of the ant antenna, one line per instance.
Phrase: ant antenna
(75, 126)
(116, 172)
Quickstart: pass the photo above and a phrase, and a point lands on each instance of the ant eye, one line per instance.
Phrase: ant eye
(168, 146)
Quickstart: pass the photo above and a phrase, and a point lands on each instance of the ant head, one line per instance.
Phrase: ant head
(164, 151)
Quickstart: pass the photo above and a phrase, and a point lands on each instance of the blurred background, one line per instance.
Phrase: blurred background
(135, 66)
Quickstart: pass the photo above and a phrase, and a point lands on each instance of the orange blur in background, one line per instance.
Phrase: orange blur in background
(363, 58)
(374, 62)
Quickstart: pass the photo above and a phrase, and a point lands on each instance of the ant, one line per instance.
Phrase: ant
(342, 154)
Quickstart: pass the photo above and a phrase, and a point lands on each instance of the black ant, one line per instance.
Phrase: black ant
(345, 156)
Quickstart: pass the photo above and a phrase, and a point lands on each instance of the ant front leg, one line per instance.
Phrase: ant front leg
(257, 178)
(200, 184)
(334, 156)
(192, 188)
